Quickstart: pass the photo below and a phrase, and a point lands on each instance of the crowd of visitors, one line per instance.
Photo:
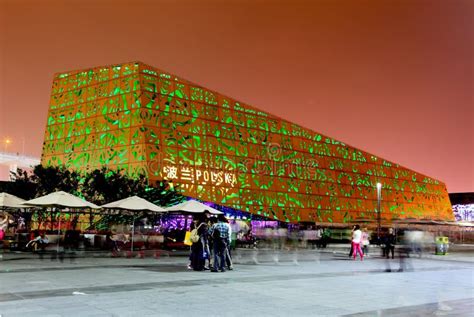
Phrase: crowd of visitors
(213, 239)
(284, 237)
(210, 249)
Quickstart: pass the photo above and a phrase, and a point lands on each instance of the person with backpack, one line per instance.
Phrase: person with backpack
(220, 233)
(198, 239)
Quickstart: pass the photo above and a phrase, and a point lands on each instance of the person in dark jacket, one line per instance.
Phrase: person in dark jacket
(198, 249)
(220, 233)
(389, 243)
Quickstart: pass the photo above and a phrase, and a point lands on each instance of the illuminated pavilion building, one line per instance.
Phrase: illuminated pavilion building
(146, 121)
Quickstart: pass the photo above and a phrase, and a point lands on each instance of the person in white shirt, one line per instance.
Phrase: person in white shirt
(356, 242)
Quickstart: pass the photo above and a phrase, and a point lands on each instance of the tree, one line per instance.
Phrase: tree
(53, 178)
(99, 186)
(104, 186)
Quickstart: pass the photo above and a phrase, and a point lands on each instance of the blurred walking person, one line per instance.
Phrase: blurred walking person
(351, 252)
(227, 251)
(365, 241)
(404, 249)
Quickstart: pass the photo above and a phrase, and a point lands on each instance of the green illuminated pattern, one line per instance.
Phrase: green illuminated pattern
(146, 121)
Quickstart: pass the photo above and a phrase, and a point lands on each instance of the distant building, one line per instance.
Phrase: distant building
(10, 162)
(463, 206)
(146, 121)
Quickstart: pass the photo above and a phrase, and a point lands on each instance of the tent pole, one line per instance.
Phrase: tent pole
(133, 232)
(59, 232)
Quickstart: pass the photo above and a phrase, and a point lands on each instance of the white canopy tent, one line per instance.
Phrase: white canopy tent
(11, 201)
(194, 206)
(134, 204)
(61, 200)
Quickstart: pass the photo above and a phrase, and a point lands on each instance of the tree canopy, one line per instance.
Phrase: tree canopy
(99, 186)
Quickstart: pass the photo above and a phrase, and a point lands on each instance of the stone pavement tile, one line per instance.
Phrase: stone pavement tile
(89, 314)
(319, 310)
(13, 308)
(132, 311)
(462, 307)
(31, 314)
(263, 288)
(111, 301)
(79, 312)
(78, 302)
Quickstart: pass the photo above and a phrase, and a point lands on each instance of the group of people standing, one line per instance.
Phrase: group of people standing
(214, 239)
(360, 242)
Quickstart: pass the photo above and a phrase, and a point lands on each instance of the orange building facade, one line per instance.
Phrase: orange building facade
(143, 120)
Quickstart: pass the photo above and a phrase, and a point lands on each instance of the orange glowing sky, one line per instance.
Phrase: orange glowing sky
(394, 78)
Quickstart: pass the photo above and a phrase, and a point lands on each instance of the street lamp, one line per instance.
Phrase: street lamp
(379, 196)
(7, 142)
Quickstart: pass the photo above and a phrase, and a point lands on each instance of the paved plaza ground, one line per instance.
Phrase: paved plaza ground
(267, 283)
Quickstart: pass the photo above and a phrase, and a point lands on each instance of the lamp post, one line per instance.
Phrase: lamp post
(379, 196)
(6, 142)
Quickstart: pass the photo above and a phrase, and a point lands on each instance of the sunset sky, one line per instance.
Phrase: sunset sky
(394, 78)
